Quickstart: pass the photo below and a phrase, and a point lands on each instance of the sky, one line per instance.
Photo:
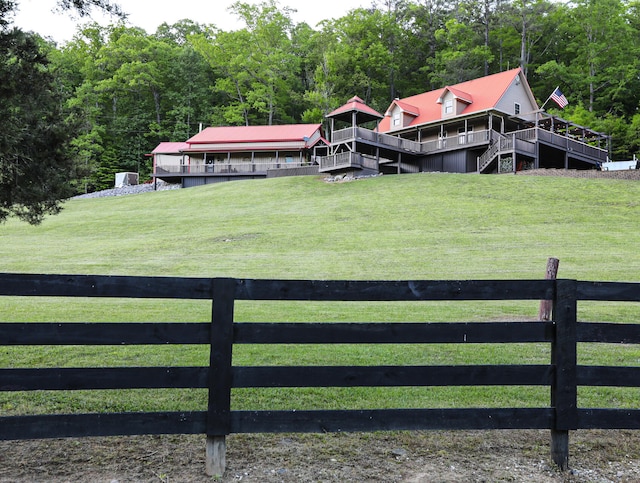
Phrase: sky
(39, 15)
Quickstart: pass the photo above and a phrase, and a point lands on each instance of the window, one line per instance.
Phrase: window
(396, 119)
(448, 106)
(516, 108)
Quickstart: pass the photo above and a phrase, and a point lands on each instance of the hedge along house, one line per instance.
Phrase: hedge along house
(488, 125)
(229, 153)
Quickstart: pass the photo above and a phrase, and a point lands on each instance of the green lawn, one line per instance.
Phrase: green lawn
(423, 226)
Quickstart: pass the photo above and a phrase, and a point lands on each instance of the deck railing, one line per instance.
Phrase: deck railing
(453, 142)
(562, 374)
(345, 160)
(573, 145)
(472, 138)
(223, 168)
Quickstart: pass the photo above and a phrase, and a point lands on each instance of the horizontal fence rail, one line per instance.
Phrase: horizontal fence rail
(562, 375)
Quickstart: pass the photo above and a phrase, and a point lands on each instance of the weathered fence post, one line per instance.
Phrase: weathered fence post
(544, 313)
(564, 392)
(220, 378)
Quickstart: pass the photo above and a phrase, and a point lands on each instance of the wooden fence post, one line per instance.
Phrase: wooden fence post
(544, 313)
(220, 378)
(564, 391)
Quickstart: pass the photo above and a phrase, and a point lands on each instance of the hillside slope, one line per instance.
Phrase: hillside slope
(440, 226)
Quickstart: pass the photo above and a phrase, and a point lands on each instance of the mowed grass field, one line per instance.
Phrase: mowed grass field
(423, 226)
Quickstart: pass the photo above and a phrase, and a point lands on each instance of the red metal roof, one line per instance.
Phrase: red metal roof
(481, 94)
(170, 148)
(355, 104)
(255, 134)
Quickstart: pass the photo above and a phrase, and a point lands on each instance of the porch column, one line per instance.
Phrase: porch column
(331, 137)
(515, 161)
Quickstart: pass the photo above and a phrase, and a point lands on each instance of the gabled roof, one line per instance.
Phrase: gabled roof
(363, 112)
(458, 94)
(405, 107)
(255, 134)
(170, 148)
(480, 95)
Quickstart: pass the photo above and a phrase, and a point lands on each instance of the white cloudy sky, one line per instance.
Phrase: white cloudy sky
(38, 15)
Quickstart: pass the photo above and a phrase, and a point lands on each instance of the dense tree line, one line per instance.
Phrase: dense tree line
(119, 90)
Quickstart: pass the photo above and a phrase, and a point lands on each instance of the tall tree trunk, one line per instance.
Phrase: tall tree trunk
(487, 17)
(523, 43)
(156, 101)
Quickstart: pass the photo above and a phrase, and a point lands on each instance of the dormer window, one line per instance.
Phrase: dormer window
(448, 106)
(396, 119)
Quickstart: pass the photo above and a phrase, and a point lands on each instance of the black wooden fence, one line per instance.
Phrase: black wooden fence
(562, 374)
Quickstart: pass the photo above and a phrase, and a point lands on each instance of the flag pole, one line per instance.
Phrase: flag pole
(545, 102)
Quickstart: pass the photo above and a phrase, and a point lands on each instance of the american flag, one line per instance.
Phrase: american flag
(559, 98)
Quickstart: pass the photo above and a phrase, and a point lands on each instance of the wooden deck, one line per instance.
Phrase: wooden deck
(524, 142)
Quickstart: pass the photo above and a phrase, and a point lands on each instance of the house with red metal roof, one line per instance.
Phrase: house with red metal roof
(228, 153)
(488, 125)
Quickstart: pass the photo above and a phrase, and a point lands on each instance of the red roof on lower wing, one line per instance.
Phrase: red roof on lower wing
(254, 134)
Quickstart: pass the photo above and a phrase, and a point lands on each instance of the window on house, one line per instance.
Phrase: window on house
(448, 106)
(516, 108)
(396, 119)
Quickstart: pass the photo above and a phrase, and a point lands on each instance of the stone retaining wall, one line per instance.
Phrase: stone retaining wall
(633, 174)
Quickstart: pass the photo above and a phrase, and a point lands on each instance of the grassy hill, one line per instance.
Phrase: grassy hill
(432, 226)
(423, 226)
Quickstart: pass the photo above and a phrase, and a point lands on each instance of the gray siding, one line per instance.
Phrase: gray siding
(191, 181)
(299, 171)
(516, 93)
(453, 162)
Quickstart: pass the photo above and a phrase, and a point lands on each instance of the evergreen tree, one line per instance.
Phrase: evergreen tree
(34, 169)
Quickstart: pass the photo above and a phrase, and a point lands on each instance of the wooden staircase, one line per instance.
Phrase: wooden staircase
(500, 144)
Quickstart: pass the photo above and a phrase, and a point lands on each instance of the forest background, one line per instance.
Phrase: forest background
(106, 98)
